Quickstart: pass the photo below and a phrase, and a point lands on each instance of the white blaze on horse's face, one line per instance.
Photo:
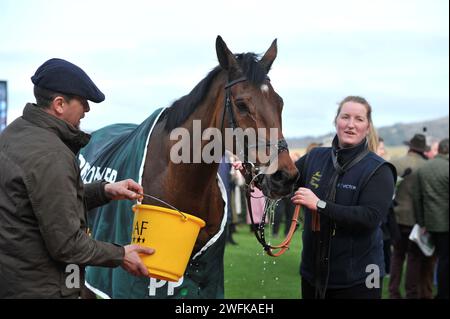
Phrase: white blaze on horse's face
(265, 88)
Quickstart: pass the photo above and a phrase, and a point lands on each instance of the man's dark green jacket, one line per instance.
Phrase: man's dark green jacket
(43, 206)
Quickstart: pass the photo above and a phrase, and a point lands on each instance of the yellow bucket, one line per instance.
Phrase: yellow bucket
(171, 233)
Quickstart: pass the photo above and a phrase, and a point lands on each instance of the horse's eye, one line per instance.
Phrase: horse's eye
(241, 106)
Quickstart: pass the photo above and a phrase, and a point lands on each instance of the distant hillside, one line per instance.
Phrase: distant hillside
(393, 135)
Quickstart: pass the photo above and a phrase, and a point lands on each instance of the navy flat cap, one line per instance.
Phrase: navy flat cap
(64, 77)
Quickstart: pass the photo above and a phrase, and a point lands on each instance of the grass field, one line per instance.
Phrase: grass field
(251, 274)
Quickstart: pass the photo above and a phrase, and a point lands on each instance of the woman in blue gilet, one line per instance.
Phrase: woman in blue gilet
(345, 191)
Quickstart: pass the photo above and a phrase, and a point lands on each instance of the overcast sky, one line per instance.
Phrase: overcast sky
(146, 54)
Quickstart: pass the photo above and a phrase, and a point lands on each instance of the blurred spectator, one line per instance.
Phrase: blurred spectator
(389, 226)
(311, 146)
(224, 173)
(431, 206)
(434, 144)
(419, 269)
(258, 203)
(294, 156)
(238, 202)
(381, 151)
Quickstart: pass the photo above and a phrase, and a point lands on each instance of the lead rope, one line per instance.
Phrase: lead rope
(271, 250)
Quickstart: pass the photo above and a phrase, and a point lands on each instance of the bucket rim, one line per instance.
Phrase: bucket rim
(193, 218)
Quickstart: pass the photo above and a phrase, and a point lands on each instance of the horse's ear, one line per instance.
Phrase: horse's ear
(269, 56)
(226, 59)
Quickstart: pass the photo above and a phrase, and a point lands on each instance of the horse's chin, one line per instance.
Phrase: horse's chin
(272, 192)
(273, 195)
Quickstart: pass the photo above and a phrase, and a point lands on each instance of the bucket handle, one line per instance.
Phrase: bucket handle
(160, 200)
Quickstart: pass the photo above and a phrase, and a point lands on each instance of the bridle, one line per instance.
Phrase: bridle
(252, 173)
(280, 145)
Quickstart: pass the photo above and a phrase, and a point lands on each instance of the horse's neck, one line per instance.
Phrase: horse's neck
(171, 180)
(202, 174)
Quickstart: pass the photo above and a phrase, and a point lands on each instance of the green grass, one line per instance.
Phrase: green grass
(252, 274)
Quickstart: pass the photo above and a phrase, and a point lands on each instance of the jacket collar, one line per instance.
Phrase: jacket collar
(345, 155)
(72, 137)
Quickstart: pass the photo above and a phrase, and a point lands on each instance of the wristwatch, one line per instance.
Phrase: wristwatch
(321, 204)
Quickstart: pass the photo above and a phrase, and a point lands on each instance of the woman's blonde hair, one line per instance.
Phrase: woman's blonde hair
(372, 137)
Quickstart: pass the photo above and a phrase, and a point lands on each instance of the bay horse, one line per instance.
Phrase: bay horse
(235, 94)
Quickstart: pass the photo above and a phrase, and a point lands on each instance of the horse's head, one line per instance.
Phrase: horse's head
(252, 105)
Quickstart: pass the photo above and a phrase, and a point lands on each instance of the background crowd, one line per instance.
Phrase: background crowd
(421, 198)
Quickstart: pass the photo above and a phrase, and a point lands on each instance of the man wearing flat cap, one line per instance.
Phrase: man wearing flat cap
(43, 202)
(419, 269)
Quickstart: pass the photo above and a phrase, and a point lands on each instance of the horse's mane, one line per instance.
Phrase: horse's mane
(182, 108)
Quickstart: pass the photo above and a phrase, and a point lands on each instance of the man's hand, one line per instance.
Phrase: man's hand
(132, 262)
(126, 189)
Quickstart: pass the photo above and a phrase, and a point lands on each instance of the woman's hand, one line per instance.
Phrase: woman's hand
(126, 189)
(305, 197)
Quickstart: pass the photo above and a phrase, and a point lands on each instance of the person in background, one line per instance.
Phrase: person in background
(431, 196)
(239, 205)
(258, 202)
(434, 145)
(43, 202)
(311, 146)
(225, 174)
(381, 150)
(418, 280)
(389, 226)
(345, 191)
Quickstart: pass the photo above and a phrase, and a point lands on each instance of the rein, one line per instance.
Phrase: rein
(271, 250)
(251, 174)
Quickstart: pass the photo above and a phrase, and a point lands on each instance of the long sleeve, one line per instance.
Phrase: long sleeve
(373, 205)
(94, 194)
(60, 214)
(417, 197)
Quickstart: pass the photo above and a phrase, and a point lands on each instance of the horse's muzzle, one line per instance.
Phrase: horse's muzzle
(279, 184)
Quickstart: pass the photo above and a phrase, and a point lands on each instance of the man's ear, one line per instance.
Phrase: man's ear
(57, 105)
